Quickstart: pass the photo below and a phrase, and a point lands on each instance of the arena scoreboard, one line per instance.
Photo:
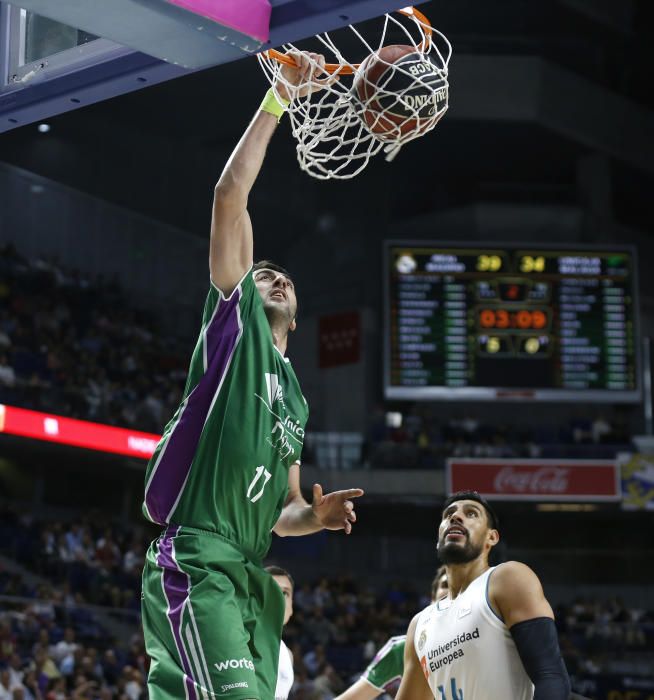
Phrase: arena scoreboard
(511, 322)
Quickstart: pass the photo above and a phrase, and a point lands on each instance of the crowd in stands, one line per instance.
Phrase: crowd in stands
(75, 346)
(606, 636)
(54, 645)
(93, 561)
(417, 439)
(48, 652)
(338, 625)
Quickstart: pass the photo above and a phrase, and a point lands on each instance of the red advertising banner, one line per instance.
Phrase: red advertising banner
(78, 433)
(339, 339)
(536, 479)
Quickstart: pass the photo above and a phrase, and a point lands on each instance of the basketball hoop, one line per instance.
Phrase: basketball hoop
(383, 98)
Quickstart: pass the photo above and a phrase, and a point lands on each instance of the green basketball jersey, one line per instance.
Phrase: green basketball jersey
(385, 670)
(222, 463)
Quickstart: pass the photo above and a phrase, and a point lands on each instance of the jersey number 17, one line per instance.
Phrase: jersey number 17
(259, 472)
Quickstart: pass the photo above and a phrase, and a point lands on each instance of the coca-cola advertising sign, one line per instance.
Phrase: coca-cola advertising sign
(536, 479)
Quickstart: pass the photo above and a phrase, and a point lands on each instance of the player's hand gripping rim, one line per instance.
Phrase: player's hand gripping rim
(335, 511)
(307, 76)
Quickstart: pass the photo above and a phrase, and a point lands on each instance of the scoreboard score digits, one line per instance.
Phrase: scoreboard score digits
(478, 324)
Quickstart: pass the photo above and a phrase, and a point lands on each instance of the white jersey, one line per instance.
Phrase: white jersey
(285, 675)
(467, 652)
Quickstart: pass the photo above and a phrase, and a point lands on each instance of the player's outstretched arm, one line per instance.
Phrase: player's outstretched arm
(231, 246)
(516, 593)
(361, 690)
(414, 685)
(332, 511)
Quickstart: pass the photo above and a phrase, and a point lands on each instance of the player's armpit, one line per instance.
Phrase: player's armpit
(516, 594)
(414, 685)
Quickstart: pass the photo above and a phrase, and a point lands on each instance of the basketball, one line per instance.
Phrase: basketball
(401, 92)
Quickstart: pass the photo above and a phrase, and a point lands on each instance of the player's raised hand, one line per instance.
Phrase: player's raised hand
(307, 75)
(335, 511)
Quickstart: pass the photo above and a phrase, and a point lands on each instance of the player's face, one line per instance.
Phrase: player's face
(278, 294)
(464, 533)
(287, 591)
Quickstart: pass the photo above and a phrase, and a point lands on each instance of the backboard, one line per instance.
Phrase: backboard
(55, 57)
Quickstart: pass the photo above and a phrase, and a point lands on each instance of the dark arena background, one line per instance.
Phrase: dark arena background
(475, 314)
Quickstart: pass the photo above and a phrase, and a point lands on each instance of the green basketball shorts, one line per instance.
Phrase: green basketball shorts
(212, 619)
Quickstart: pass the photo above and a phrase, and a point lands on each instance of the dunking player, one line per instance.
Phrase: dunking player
(385, 671)
(494, 635)
(285, 674)
(226, 471)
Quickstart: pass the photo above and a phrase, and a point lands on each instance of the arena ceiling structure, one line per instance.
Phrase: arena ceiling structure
(544, 97)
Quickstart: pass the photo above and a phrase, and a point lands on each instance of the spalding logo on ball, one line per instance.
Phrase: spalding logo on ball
(401, 91)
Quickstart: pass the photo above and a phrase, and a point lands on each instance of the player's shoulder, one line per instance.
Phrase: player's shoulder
(511, 578)
(396, 642)
(422, 616)
(227, 292)
(413, 624)
(393, 646)
(510, 570)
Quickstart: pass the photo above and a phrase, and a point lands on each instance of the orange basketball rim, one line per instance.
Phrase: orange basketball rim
(349, 69)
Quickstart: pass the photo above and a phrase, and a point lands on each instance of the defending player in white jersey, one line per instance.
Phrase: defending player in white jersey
(493, 637)
(285, 674)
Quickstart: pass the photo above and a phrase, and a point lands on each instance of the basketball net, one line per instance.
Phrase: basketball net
(334, 139)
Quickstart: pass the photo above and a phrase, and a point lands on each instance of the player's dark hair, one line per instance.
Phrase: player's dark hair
(270, 265)
(440, 572)
(278, 571)
(491, 516)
